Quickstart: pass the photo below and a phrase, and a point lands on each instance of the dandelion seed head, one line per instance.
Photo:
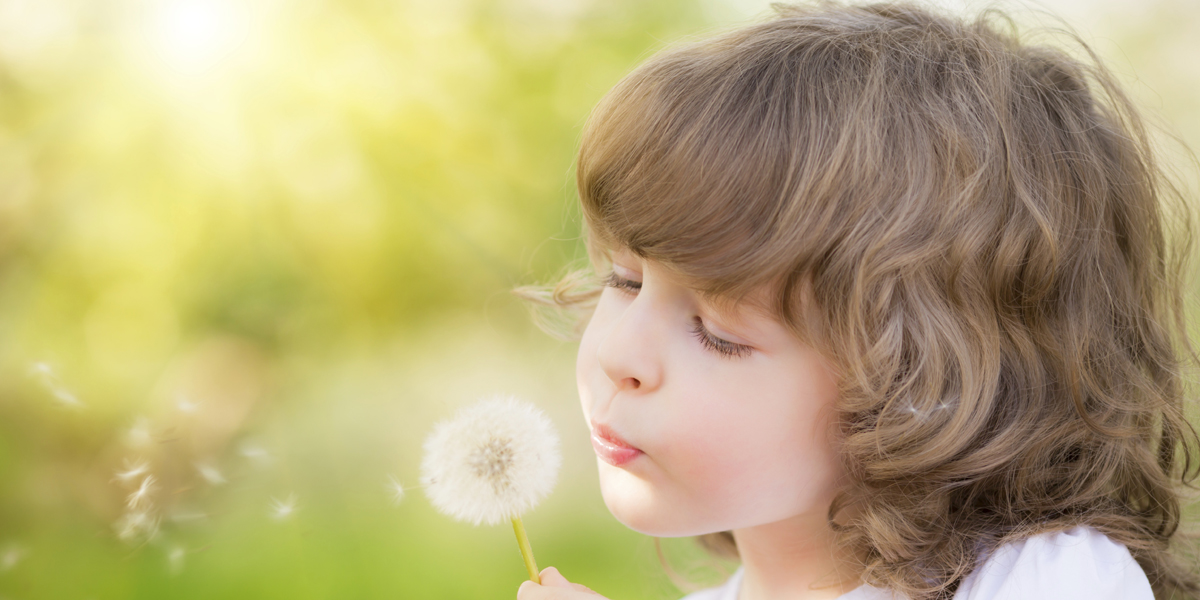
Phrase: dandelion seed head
(492, 461)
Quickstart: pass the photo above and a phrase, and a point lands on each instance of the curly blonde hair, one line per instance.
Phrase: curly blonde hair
(978, 229)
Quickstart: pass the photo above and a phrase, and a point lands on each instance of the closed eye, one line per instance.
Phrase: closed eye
(725, 348)
(626, 285)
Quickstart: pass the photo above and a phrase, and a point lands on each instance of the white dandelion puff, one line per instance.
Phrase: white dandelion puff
(132, 471)
(210, 473)
(396, 489)
(493, 461)
(283, 509)
(141, 496)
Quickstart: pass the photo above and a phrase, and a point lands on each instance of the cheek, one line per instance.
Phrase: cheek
(754, 441)
(586, 364)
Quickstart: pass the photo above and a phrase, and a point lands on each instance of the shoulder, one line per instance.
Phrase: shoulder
(725, 591)
(1077, 563)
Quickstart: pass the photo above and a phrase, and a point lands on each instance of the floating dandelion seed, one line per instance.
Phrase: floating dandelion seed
(183, 516)
(493, 461)
(132, 471)
(10, 557)
(283, 509)
(135, 524)
(141, 496)
(210, 473)
(186, 405)
(50, 381)
(138, 436)
(396, 489)
(255, 453)
(175, 559)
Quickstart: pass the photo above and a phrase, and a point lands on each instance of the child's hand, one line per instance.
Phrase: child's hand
(555, 587)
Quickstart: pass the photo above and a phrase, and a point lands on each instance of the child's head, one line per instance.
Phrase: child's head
(962, 237)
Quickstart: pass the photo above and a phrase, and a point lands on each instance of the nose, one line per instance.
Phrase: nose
(631, 352)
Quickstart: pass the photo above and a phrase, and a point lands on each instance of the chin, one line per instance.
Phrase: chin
(637, 505)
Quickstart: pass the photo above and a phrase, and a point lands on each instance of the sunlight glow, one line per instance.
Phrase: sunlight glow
(193, 37)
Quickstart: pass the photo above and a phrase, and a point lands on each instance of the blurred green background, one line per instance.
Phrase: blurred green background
(258, 248)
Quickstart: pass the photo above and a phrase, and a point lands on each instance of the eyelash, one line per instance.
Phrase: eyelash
(708, 340)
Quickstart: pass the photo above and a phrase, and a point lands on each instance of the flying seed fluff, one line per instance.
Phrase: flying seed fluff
(957, 219)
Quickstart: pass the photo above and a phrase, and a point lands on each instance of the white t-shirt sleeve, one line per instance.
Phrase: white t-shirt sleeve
(1080, 563)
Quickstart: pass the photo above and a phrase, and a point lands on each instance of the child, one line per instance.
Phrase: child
(890, 312)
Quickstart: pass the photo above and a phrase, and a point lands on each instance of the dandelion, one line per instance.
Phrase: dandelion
(493, 461)
(283, 509)
(141, 496)
(396, 489)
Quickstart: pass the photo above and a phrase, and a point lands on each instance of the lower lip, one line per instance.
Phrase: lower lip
(613, 454)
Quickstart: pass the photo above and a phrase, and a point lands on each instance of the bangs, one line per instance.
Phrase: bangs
(686, 162)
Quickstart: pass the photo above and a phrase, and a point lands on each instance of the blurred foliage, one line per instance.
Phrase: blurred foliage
(256, 248)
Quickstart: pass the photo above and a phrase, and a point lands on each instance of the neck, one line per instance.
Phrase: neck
(793, 559)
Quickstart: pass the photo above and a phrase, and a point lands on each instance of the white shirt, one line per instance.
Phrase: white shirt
(1078, 564)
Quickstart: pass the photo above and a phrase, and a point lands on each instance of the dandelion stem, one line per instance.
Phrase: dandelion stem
(526, 551)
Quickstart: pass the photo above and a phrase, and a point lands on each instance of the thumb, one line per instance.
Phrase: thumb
(552, 578)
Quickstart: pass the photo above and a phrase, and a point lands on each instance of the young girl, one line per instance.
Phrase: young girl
(891, 311)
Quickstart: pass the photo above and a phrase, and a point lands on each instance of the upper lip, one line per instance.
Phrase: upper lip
(605, 432)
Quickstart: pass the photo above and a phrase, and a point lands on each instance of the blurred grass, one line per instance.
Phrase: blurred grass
(277, 238)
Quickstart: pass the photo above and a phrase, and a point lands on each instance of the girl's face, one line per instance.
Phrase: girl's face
(730, 412)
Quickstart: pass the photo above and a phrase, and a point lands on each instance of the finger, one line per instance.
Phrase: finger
(532, 591)
(552, 578)
(526, 591)
(579, 587)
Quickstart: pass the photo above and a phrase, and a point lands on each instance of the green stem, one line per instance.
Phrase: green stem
(526, 551)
